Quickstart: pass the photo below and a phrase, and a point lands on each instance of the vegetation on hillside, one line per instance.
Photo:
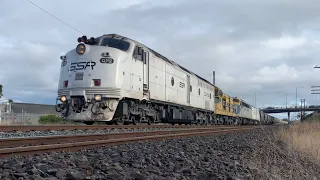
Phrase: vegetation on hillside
(303, 137)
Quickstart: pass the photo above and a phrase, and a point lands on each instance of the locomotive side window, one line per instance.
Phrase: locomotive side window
(140, 54)
(116, 43)
(144, 57)
(140, 51)
(136, 53)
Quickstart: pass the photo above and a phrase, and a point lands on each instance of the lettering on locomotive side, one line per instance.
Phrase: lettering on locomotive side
(207, 94)
(81, 65)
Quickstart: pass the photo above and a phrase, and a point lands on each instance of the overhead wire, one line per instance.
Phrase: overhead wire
(54, 16)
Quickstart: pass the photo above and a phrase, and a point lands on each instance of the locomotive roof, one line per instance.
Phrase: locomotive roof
(161, 57)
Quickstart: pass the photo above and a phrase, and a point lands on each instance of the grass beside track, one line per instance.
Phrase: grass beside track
(303, 137)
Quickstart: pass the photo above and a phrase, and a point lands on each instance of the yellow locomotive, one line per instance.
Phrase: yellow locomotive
(226, 107)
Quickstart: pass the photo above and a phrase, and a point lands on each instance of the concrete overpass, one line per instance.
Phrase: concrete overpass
(290, 109)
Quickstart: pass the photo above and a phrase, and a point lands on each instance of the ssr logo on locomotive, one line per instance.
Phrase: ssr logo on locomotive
(81, 65)
(106, 60)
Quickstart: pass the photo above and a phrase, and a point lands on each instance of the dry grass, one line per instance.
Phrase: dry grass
(303, 137)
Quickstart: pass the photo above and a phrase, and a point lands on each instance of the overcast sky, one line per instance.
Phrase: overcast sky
(267, 47)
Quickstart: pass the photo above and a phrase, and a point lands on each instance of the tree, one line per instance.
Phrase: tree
(1, 91)
(10, 100)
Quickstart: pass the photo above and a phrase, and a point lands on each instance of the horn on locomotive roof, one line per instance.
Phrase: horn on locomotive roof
(82, 39)
(86, 40)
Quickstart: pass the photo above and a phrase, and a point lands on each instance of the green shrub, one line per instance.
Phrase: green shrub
(50, 119)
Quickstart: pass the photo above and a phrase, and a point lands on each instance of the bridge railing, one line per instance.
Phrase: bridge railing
(289, 107)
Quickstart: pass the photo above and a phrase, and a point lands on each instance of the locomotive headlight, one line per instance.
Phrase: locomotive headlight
(81, 48)
(97, 97)
(63, 98)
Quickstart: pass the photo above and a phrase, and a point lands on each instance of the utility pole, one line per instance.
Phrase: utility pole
(255, 99)
(214, 77)
(297, 95)
(302, 109)
(286, 100)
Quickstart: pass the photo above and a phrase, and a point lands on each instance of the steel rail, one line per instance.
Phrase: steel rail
(74, 146)
(13, 128)
(38, 140)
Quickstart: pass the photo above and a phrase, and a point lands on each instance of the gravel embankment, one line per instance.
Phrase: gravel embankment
(78, 132)
(246, 155)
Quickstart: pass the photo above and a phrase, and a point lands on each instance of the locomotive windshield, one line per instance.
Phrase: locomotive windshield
(116, 43)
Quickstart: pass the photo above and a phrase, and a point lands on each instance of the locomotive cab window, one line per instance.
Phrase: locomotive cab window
(116, 43)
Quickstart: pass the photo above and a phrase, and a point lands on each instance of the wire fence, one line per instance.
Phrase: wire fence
(23, 118)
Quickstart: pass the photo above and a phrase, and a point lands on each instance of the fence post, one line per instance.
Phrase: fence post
(22, 116)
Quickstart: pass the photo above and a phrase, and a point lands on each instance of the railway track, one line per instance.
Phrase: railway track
(23, 128)
(37, 145)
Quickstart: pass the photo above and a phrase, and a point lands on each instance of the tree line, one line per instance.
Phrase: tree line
(9, 100)
(1, 91)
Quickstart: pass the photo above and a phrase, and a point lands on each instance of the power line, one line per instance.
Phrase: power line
(55, 17)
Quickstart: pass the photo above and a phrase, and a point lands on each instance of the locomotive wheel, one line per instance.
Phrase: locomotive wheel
(149, 120)
(135, 121)
(205, 122)
(212, 122)
(201, 122)
(120, 121)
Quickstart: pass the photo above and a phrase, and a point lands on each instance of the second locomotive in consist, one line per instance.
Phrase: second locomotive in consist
(118, 80)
